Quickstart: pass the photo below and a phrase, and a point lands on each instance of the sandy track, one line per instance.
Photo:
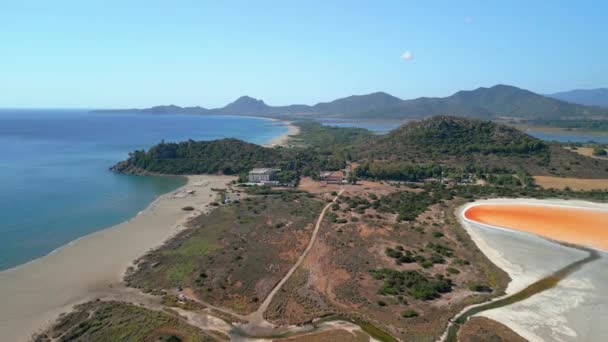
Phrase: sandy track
(256, 319)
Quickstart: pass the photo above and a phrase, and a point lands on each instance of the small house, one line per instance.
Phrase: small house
(331, 177)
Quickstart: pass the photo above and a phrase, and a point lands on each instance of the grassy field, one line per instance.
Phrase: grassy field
(116, 321)
(235, 255)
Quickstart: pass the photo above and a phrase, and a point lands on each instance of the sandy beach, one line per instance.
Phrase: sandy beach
(34, 294)
(573, 310)
(282, 140)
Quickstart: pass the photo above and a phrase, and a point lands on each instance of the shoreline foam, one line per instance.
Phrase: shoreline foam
(35, 293)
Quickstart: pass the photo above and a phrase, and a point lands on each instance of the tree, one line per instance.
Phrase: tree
(352, 178)
(599, 151)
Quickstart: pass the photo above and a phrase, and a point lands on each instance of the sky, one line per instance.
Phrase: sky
(127, 54)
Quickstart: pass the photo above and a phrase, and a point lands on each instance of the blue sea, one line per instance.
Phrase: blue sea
(385, 126)
(569, 137)
(55, 185)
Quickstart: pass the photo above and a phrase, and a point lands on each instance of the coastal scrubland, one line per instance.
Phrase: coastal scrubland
(99, 321)
(233, 256)
(479, 329)
(390, 254)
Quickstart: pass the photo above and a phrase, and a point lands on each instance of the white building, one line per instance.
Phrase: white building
(262, 175)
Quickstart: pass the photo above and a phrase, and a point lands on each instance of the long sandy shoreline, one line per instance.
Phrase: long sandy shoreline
(35, 293)
(282, 140)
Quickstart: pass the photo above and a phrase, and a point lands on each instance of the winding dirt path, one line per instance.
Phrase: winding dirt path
(256, 318)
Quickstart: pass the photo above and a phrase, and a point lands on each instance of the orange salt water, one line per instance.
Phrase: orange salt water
(587, 227)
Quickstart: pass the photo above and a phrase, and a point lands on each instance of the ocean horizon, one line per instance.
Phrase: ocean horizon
(56, 182)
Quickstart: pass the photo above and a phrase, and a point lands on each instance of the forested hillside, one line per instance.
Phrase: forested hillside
(460, 145)
(441, 146)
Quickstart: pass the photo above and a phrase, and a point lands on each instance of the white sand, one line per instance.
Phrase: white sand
(34, 294)
(282, 140)
(574, 310)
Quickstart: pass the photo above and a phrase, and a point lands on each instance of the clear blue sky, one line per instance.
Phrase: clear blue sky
(109, 54)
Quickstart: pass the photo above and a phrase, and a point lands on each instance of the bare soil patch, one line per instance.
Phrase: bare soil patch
(548, 182)
(585, 151)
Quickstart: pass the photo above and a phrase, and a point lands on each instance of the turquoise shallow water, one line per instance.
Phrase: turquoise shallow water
(54, 180)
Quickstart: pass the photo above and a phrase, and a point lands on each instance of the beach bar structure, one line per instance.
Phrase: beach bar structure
(262, 175)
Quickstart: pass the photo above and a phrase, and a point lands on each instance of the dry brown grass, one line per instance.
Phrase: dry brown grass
(309, 185)
(479, 329)
(329, 336)
(548, 182)
(585, 151)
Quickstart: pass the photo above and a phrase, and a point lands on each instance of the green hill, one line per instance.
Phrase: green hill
(456, 142)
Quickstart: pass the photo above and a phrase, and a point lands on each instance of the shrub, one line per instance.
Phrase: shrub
(452, 270)
(188, 208)
(479, 287)
(409, 313)
(599, 151)
(437, 234)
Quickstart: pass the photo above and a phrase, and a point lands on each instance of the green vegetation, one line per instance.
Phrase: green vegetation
(316, 135)
(452, 270)
(226, 253)
(463, 150)
(445, 136)
(443, 147)
(409, 313)
(478, 287)
(408, 205)
(325, 148)
(599, 151)
(228, 156)
(117, 321)
(413, 283)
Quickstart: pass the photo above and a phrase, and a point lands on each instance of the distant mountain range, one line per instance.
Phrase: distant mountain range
(589, 97)
(500, 101)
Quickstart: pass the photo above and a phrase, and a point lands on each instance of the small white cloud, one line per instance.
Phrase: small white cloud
(407, 56)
